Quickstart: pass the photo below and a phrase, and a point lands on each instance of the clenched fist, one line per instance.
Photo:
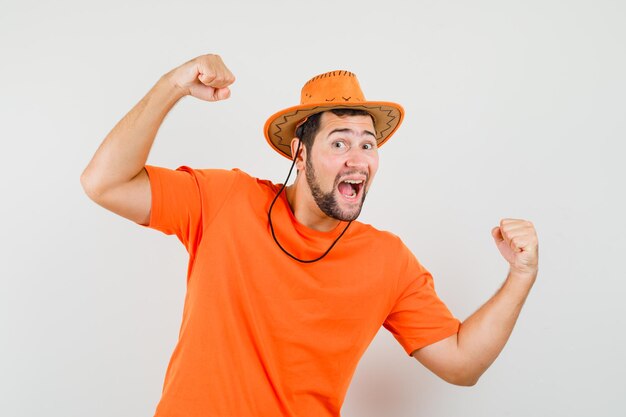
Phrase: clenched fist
(205, 77)
(518, 244)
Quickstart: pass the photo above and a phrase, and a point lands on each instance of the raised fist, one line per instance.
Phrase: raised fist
(205, 77)
(518, 244)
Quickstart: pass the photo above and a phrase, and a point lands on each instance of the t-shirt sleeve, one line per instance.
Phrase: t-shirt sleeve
(419, 317)
(185, 199)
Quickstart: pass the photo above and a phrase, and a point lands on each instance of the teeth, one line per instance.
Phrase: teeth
(354, 181)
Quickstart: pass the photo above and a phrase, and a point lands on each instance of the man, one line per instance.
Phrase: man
(285, 290)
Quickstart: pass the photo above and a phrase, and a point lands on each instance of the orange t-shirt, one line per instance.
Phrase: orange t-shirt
(263, 334)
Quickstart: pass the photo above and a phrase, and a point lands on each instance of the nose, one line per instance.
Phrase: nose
(356, 159)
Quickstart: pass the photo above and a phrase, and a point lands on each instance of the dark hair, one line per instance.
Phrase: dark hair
(306, 131)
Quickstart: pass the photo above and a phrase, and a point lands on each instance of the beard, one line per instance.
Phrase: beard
(327, 202)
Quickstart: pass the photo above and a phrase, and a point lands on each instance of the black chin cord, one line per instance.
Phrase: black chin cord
(269, 217)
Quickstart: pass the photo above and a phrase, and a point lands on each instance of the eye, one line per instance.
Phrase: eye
(339, 145)
(368, 146)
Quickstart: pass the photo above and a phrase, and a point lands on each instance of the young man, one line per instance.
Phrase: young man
(285, 289)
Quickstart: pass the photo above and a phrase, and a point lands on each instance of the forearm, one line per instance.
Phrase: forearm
(124, 152)
(483, 335)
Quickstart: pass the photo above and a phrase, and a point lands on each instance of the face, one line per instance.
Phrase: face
(342, 164)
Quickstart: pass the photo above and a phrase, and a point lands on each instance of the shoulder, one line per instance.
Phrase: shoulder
(225, 175)
(370, 232)
(235, 182)
(382, 240)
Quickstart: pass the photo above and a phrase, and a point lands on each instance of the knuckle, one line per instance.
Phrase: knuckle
(209, 76)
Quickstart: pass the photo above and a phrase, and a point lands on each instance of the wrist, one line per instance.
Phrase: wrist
(527, 274)
(169, 84)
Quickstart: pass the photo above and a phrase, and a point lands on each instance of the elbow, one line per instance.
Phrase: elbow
(466, 381)
(86, 184)
(90, 187)
(463, 378)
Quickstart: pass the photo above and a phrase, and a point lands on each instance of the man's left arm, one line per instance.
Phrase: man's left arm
(463, 357)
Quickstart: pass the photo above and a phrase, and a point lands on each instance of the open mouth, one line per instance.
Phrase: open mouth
(351, 189)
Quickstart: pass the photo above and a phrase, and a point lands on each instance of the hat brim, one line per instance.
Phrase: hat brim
(280, 128)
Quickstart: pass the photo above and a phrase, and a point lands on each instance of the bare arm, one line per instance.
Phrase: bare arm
(462, 358)
(115, 178)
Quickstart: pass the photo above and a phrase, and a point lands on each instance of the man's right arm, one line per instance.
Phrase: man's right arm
(115, 178)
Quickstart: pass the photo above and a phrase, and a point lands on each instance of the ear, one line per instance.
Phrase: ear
(301, 157)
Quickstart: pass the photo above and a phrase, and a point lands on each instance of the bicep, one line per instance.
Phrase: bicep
(131, 199)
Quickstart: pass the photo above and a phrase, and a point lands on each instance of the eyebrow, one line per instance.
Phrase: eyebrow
(344, 130)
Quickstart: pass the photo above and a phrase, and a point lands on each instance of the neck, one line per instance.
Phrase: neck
(305, 209)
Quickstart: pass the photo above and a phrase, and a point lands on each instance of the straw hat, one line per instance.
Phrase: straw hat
(331, 90)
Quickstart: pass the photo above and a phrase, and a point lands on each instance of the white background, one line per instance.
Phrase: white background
(513, 109)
